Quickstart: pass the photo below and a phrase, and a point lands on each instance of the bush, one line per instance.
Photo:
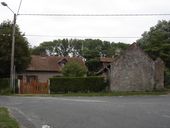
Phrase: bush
(74, 69)
(167, 78)
(4, 86)
(77, 84)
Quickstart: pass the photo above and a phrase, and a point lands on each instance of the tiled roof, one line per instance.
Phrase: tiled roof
(50, 63)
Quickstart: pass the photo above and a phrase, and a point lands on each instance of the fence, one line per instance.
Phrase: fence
(33, 87)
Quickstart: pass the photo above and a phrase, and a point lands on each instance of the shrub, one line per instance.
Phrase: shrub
(74, 69)
(4, 86)
(77, 84)
(167, 78)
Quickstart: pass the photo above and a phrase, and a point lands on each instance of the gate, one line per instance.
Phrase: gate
(34, 87)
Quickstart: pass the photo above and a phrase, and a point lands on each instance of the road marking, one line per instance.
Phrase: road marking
(45, 126)
(69, 99)
(83, 100)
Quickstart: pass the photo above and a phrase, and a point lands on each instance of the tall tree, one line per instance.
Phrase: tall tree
(156, 42)
(90, 49)
(22, 54)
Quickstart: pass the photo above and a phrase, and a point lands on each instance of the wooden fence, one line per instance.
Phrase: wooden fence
(33, 88)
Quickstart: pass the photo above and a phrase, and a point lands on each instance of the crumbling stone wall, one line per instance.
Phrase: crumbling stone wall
(134, 70)
(159, 74)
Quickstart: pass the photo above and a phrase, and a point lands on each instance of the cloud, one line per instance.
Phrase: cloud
(86, 26)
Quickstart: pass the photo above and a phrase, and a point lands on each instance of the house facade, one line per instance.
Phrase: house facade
(42, 68)
(134, 70)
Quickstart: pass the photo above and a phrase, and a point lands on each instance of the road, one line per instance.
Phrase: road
(90, 112)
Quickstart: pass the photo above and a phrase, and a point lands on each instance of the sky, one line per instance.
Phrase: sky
(41, 28)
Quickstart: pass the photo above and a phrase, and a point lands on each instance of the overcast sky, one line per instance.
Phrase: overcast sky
(59, 27)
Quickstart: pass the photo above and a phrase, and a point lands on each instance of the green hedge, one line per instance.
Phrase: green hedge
(77, 84)
(167, 78)
(4, 85)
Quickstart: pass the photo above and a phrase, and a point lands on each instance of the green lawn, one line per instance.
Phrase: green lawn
(6, 121)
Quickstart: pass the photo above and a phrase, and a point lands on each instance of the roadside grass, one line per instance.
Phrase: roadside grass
(6, 121)
(163, 92)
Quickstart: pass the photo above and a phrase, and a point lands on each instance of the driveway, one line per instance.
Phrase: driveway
(90, 112)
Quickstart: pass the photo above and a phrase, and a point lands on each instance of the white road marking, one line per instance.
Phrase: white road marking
(84, 100)
(45, 126)
(75, 100)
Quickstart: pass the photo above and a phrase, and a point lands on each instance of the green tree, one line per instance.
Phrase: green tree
(90, 49)
(93, 66)
(156, 42)
(22, 54)
(74, 69)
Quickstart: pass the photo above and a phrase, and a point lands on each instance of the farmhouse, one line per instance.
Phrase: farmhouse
(42, 68)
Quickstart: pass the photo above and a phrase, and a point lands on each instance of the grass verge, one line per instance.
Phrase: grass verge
(6, 121)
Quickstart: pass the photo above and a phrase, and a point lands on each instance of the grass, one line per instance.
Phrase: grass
(6, 121)
(111, 94)
(101, 94)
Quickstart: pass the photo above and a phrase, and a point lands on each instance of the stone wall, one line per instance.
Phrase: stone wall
(134, 70)
(159, 74)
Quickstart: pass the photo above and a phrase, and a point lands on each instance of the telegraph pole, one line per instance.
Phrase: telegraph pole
(12, 48)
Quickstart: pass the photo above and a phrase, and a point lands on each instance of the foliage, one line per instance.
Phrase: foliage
(77, 84)
(74, 69)
(156, 42)
(93, 65)
(6, 121)
(22, 54)
(167, 78)
(90, 49)
(4, 86)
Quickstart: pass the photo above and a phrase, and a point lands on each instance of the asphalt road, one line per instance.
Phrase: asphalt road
(90, 112)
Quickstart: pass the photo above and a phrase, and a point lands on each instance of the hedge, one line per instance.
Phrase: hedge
(4, 85)
(167, 78)
(77, 84)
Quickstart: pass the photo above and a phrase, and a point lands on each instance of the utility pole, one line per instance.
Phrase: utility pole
(13, 54)
(13, 47)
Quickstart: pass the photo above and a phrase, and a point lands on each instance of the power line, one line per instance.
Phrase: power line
(83, 36)
(19, 7)
(61, 36)
(95, 15)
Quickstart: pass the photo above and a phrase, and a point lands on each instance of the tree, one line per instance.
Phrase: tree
(94, 65)
(74, 69)
(22, 54)
(90, 49)
(156, 42)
